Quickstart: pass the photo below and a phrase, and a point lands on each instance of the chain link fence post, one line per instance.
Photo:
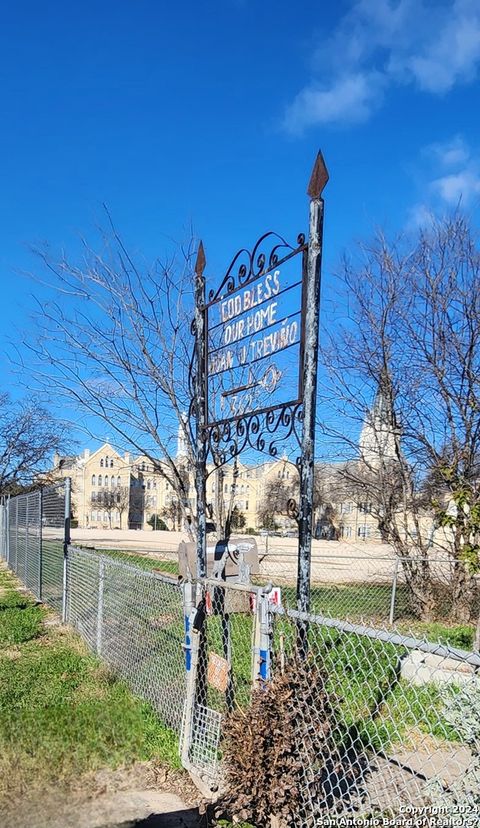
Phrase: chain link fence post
(101, 586)
(27, 538)
(17, 500)
(262, 641)
(394, 592)
(66, 543)
(192, 594)
(40, 545)
(3, 550)
(7, 528)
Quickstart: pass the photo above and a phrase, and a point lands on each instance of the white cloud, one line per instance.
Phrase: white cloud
(451, 153)
(379, 43)
(461, 187)
(350, 99)
(452, 179)
(453, 55)
(420, 215)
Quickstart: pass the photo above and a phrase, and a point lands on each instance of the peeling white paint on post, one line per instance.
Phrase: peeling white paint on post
(312, 264)
(200, 410)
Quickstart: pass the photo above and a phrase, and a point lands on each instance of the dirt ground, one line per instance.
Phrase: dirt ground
(138, 797)
(332, 561)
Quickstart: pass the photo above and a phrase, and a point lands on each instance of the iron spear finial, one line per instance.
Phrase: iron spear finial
(319, 177)
(201, 260)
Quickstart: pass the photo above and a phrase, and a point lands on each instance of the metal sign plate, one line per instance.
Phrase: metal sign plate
(254, 339)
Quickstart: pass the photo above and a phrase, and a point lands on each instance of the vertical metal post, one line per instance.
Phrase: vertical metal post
(27, 516)
(8, 530)
(311, 300)
(394, 592)
(66, 544)
(190, 666)
(200, 411)
(199, 662)
(16, 532)
(262, 642)
(101, 584)
(3, 550)
(40, 544)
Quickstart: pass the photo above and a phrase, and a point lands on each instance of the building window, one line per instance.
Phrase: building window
(100, 480)
(101, 463)
(94, 516)
(106, 480)
(246, 505)
(365, 508)
(94, 480)
(119, 481)
(112, 481)
(363, 532)
(149, 484)
(142, 467)
(111, 464)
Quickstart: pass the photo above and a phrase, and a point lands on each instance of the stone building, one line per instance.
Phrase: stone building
(113, 490)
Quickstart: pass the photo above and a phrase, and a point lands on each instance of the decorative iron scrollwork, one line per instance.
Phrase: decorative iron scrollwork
(247, 265)
(292, 509)
(263, 432)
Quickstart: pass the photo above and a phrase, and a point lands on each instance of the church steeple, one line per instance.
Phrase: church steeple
(182, 436)
(377, 437)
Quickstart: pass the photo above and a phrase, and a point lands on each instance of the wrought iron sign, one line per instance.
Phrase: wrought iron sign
(253, 374)
(254, 327)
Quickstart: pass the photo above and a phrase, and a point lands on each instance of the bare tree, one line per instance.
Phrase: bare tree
(29, 435)
(115, 343)
(173, 513)
(406, 366)
(278, 494)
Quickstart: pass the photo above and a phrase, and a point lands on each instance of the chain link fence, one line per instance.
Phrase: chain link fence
(356, 583)
(372, 721)
(371, 713)
(33, 541)
(134, 621)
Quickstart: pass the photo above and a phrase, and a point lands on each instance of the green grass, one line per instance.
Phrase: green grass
(142, 561)
(355, 601)
(362, 674)
(460, 636)
(20, 619)
(63, 713)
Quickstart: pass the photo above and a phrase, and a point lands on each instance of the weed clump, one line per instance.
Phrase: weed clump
(286, 753)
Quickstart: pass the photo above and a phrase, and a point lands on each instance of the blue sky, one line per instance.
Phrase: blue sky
(210, 114)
